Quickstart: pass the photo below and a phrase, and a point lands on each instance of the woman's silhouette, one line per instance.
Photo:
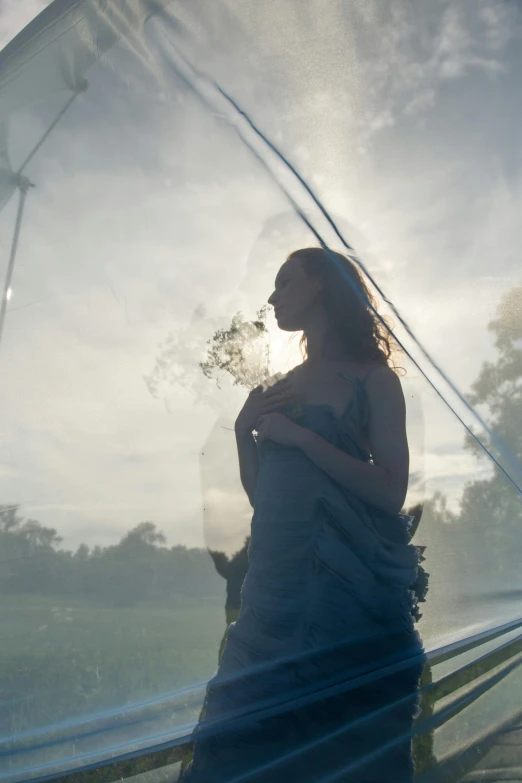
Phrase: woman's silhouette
(319, 675)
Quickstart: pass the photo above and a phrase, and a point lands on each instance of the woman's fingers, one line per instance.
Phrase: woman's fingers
(280, 399)
(276, 391)
(278, 384)
(275, 397)
(270, 407)
(283, 394)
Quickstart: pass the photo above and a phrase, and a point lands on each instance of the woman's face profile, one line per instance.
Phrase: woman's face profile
(295, 297)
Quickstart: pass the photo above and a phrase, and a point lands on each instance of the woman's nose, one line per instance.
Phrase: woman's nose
(272, 299)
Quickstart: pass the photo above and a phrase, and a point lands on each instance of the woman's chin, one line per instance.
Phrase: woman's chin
(286, 326)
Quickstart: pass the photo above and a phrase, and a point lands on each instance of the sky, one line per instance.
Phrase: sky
(15, 16)
(151, 223)
(150, 218)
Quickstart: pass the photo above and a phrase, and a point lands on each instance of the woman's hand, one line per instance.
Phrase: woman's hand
(262, 402)
(281, 429)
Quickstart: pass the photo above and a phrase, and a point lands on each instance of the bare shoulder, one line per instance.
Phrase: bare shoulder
(297, 370)
(384, 387)
(382, 375)
(296, 373)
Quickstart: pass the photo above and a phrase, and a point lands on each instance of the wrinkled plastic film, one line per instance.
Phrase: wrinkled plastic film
(157, 214)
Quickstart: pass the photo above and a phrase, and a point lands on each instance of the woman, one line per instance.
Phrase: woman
(318, 677)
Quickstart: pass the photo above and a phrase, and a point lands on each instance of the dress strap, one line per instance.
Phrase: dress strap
(354, 380)
(365, 377)
(359, 399)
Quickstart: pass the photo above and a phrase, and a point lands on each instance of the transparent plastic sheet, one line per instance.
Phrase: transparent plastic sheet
(164, 202)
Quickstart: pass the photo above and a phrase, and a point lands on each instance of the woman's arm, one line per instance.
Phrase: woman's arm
(248, 461)
(275, 393)
(385, 482)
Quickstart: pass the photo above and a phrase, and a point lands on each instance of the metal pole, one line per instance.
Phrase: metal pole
(81, 87)
(23, 187)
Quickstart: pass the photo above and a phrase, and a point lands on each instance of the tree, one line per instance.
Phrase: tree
(82, 553)
(243, 351)
(29, 551)
(9, 518)
(498, 387)
(140, 568)
(492, 507)
(234, 570)
(40, 537)
(482, 539)
(144, 534)
(238, 354)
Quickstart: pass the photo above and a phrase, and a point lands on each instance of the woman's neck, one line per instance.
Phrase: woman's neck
(323, 344)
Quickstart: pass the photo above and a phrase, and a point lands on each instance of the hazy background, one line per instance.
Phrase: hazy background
(147, 210)
(149, 227)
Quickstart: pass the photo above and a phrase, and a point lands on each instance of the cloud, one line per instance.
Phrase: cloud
(146, 208)
(422, 47)
(14, 16)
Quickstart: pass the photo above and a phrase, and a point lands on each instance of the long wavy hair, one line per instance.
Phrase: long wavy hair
(352, 307)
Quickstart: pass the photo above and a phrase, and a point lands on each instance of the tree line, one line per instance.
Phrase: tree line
(141, 567)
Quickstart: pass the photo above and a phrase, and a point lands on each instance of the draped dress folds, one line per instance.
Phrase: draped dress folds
(319, 676)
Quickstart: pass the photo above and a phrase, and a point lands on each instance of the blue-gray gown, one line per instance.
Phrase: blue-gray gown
(319, 676)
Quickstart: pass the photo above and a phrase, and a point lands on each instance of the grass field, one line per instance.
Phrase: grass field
(82, 682)
(72, 673)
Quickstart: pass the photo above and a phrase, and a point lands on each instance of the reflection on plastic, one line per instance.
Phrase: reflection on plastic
(160, 212)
